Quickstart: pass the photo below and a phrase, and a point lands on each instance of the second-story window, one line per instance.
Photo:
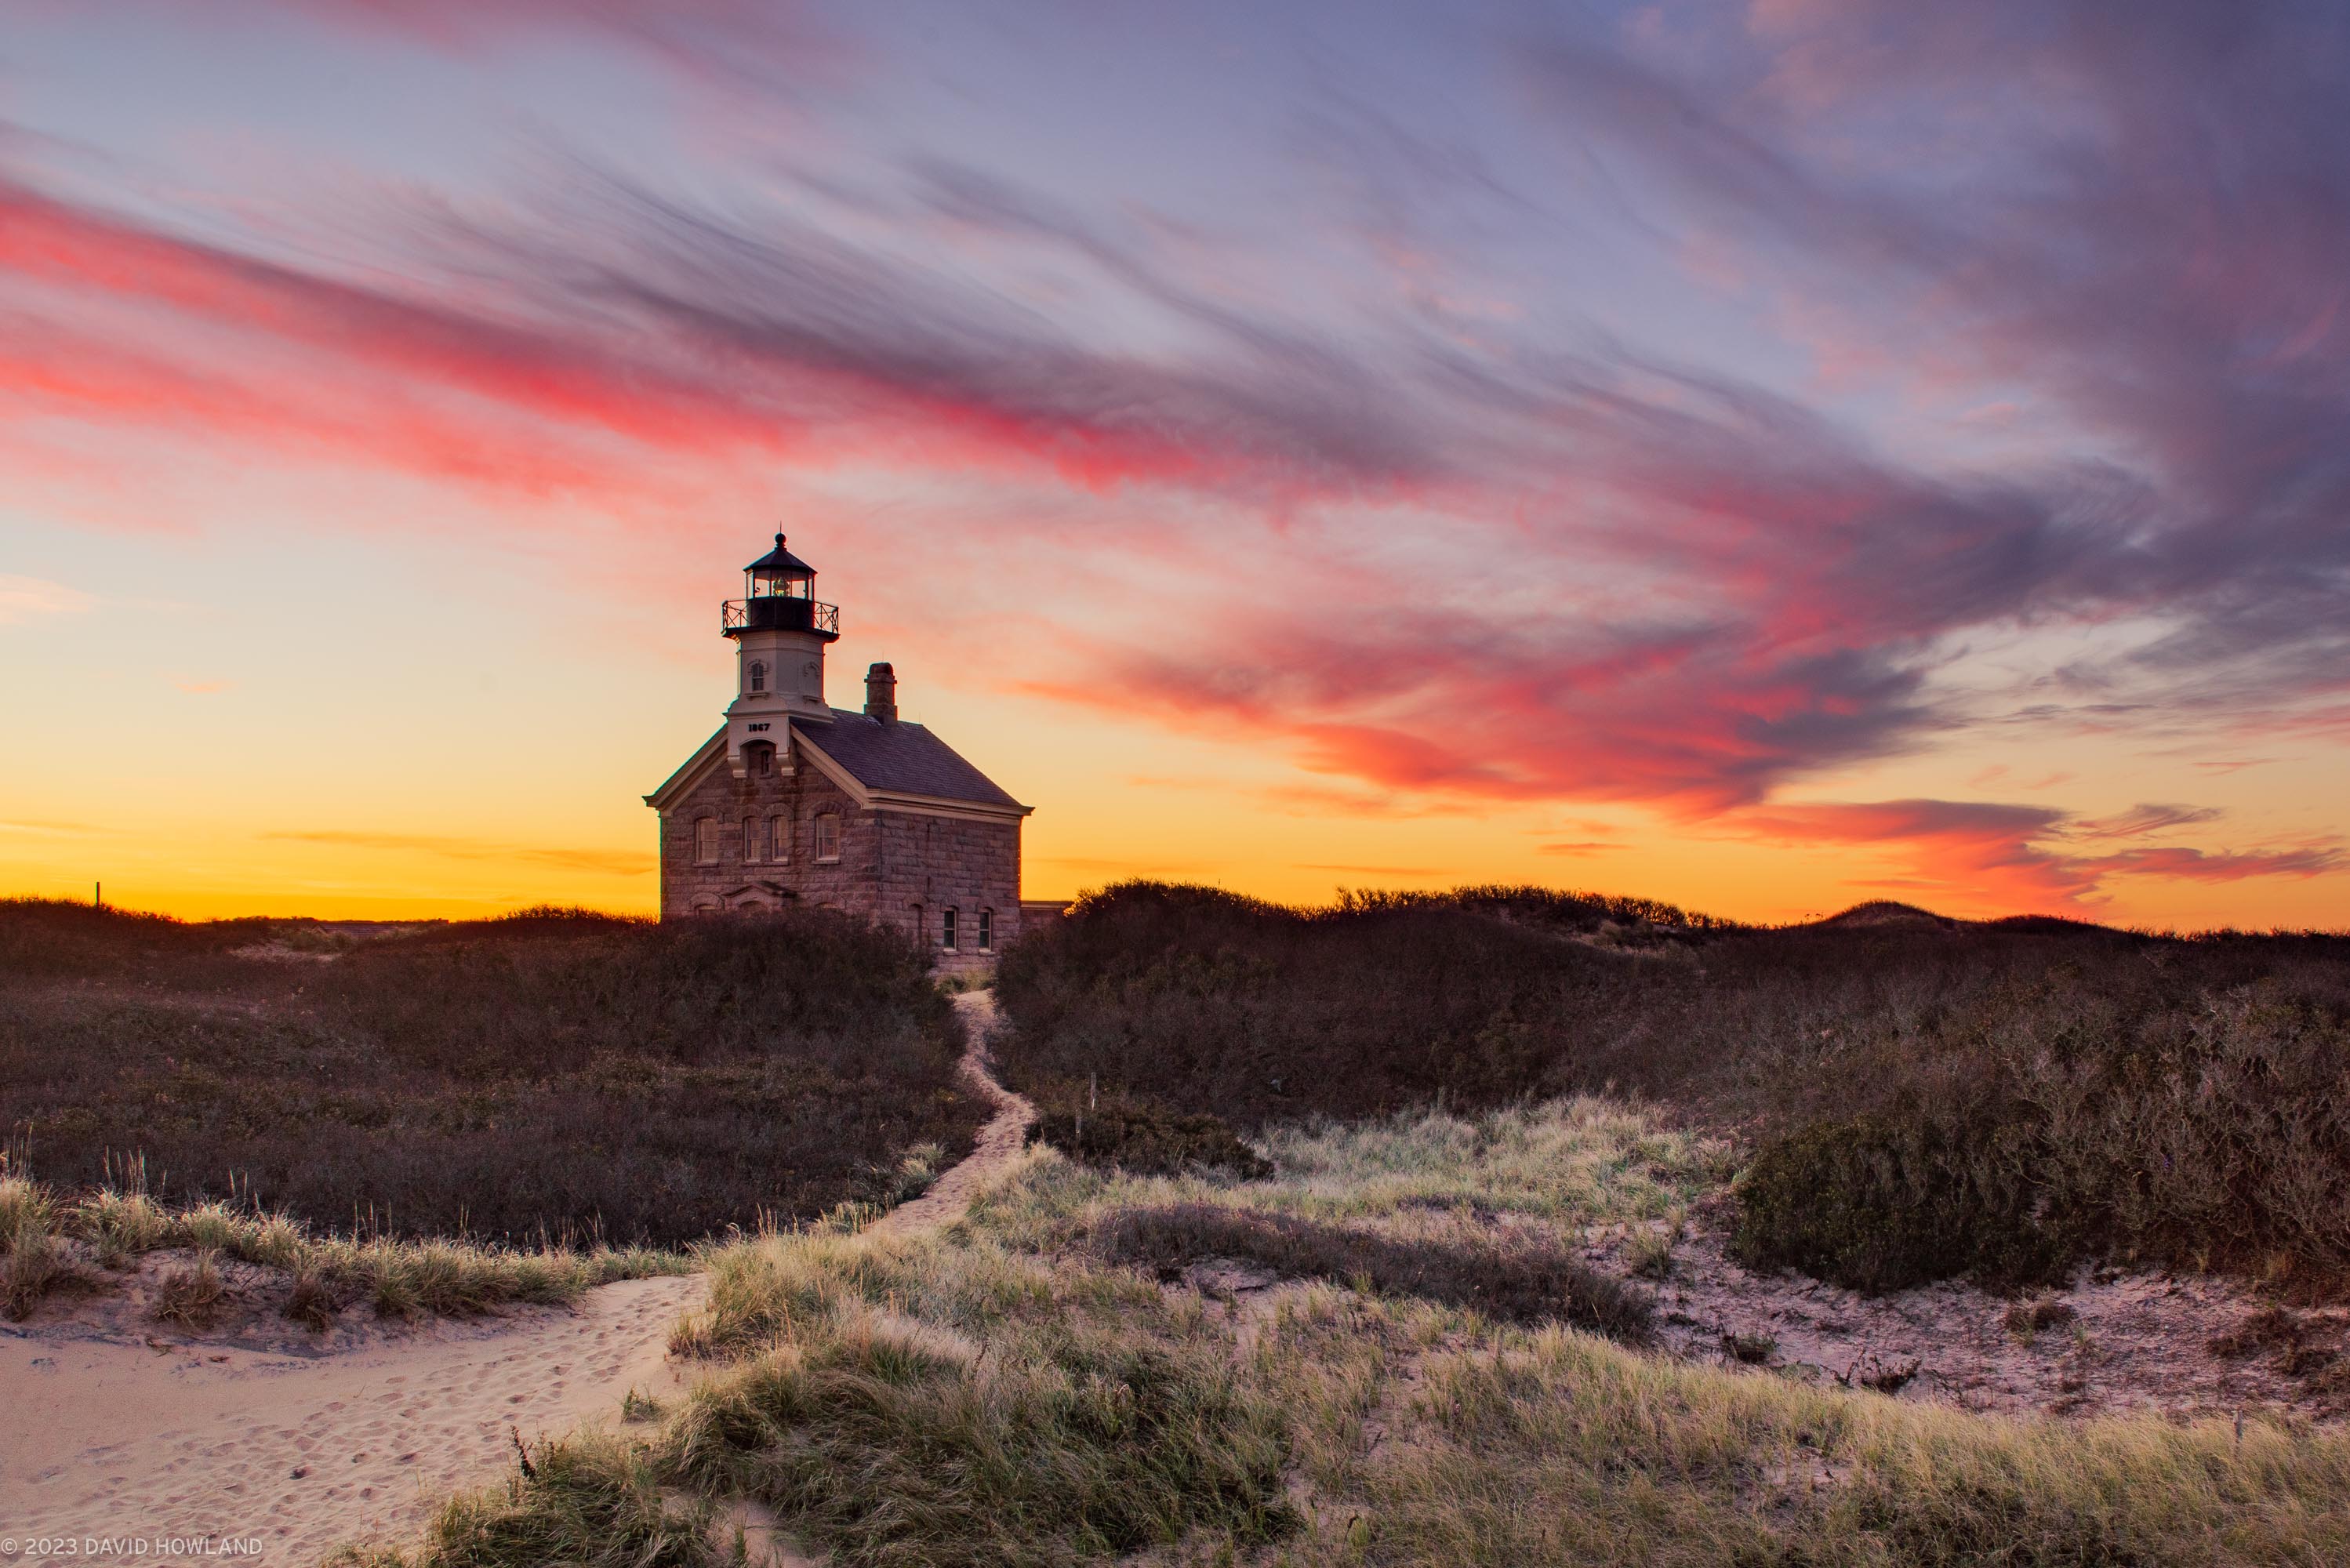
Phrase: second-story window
(947, 930)
(987, 930)
(758, 679)
(828, 836)
(705, 841)
(749, 839)
(779, 840)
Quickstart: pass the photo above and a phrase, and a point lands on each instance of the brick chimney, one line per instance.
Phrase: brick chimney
(881, 694)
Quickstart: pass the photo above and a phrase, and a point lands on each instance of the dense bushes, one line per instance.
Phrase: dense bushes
(1925, 1097)
(558, 1073)
(1885, 1200)
(1208, 1001)
(2214, 1132)
(1134, 1136)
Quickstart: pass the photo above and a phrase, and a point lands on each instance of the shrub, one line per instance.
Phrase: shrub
(1521, 1281)
(1880, 1202)
(1132, 1135)
(2024, 1093)
(557, 1076)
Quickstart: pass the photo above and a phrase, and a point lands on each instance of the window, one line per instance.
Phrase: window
(761, 756)
(779, 840)
(758, 681)
(705, 840)
(987, 930)
(749, 839)
(828, 836)
(946, 930)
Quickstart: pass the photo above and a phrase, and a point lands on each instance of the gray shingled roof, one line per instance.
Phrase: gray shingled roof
(900, 758)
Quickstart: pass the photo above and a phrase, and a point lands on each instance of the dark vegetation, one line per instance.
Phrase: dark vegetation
(1524, 1281)
(552, 1074)
(1137, 1136)
(1923, 1097)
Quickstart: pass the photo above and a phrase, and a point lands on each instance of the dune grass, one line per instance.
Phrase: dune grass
(591, 1499)
(46, 1241)
(1551, 1446)
(974, 1397)
(948, 1399)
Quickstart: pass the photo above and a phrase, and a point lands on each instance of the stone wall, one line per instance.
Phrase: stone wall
(749, 876)
(933, 864)
(902, 869)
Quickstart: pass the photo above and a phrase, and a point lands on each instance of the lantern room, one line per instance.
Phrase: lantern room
(779, 594)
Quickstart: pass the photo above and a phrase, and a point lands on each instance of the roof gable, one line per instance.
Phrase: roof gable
(686, 778)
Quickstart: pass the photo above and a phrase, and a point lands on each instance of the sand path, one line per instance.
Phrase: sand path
(175, 1448)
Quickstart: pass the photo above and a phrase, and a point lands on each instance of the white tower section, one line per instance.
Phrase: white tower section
(779, 631)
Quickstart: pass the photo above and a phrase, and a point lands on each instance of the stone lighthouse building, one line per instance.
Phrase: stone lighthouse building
(794, 801)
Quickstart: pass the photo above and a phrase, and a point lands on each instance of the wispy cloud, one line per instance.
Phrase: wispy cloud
(32, 599)
(2001, 855)
(2144, 821)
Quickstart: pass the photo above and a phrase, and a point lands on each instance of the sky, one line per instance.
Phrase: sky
(1764, 456)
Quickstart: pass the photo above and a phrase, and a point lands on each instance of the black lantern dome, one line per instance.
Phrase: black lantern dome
(779, 594)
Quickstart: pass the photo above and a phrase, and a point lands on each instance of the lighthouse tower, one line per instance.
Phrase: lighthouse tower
(780, 632)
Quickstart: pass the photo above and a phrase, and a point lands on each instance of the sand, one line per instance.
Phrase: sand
(119, 1439)
(2130, 1343)
(188, 1437)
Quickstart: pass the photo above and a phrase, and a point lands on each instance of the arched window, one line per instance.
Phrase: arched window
(779, 840)
(749, 839)
(705, 840)
(828, 836)
(987, 930)
(946, 930)
(761, 756)
(758, 678)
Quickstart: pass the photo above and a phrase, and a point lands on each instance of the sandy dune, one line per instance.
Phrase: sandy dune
(113, 1440)
(286, 1451)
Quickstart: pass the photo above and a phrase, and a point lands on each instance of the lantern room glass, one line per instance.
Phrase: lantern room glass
(779, 583)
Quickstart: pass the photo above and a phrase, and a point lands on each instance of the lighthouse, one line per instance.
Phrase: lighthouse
(780, 631)
(866, 811)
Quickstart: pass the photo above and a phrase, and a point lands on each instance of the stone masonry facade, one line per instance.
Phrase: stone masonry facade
(901, 868)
